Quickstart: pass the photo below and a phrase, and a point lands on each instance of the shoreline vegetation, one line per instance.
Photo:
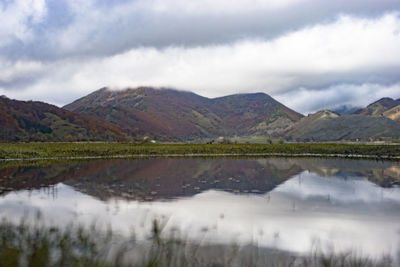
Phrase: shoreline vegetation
(87, 150)
(37, 244)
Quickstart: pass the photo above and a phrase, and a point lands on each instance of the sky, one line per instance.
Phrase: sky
(308, 54)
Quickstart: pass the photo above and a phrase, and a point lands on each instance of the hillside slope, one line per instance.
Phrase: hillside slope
(171, 114)
(253, 114)
(329, 126)
(37, 121)
(393, 113)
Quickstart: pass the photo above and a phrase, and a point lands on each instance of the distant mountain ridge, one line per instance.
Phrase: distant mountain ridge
(377, 121)
(379, 107)
(181, 115)
(326, 126)
(170, 115)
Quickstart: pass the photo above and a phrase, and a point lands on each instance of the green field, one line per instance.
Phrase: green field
(66, 150)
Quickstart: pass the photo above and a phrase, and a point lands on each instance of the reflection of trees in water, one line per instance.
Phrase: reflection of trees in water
(161, 178)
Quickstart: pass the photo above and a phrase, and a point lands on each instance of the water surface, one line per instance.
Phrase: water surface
(291, 204)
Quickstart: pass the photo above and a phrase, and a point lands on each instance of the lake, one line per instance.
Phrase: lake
(288, 204)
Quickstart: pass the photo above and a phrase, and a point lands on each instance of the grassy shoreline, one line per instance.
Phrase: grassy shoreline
(93, 150)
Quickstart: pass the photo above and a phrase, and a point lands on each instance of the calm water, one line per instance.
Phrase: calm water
(288, 204)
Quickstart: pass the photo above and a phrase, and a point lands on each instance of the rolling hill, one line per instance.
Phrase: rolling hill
(38, 121)
(177, 115)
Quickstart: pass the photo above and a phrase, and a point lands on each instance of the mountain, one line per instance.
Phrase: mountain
(253, 114)
(377, 108)
(37, 121)
(167, 113)
(302, 127)
(329, 126)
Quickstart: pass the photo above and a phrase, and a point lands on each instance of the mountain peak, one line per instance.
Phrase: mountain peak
(182, 114)
(383, 101)
(324, 114)
(253, 96)
(378, 107)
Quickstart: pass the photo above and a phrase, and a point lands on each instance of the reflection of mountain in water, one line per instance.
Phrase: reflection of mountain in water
(382, 173)
(163, 178)
(168, 178)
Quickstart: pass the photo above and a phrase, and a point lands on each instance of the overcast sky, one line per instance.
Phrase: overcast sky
(308, 54)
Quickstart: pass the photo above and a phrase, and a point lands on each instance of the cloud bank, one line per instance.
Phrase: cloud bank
(308, 54)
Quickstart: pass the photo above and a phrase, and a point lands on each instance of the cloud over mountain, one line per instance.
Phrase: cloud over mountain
(309, 54)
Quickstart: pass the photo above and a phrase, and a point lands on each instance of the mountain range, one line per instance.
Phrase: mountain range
(169, 115)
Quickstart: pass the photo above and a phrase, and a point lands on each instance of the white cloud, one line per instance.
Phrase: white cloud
(93, 28)
(16, 18)
(217, 7)
(349, 51)
(11, 71)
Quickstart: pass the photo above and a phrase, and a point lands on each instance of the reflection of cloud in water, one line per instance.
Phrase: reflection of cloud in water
(337, 189)
(357, 214)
